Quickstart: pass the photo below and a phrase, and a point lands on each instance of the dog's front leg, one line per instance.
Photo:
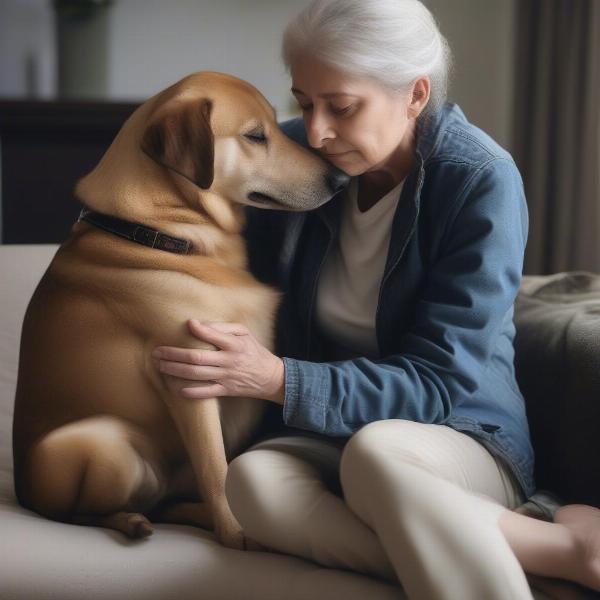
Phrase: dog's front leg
(199, 425)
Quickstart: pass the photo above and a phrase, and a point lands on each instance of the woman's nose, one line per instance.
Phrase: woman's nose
(318, 129)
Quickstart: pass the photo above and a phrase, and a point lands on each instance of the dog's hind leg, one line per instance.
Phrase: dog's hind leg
(97, 471)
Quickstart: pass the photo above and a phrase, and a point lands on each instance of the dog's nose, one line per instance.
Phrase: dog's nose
(336, 180)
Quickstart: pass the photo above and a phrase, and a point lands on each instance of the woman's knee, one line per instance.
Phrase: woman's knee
(272, 494)
(381, 446)
(242, 483)
(243, 475)
(376, 438)
(261, 484)
(419, 444)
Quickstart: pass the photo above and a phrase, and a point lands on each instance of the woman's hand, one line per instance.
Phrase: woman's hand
(240, 367)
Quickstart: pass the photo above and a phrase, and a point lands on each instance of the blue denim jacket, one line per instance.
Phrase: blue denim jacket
(444, 320)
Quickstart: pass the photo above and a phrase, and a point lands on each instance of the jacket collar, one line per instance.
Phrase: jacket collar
(430, 130)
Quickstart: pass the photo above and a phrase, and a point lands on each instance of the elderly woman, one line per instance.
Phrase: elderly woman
(404, 445)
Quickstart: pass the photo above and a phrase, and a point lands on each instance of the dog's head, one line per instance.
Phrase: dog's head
(221, 134)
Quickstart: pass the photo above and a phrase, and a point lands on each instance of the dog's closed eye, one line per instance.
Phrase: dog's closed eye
(256, 136)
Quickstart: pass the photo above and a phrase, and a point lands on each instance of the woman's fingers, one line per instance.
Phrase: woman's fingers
(222, 335)
(223, 327)
(241, 366)
(175, 385)
(191, 372)
(192, 356)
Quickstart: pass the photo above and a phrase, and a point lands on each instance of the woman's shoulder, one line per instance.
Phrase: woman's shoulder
(467, 171)
(448, 137)
(460, 160)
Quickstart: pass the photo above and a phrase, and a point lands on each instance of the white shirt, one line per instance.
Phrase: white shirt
(348, 287)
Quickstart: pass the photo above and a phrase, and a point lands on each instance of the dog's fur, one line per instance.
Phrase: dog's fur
(98, 437)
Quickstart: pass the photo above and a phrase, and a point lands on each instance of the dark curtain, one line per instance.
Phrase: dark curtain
(557, 131)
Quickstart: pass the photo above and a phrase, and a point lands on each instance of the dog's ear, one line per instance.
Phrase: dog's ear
(179, 137)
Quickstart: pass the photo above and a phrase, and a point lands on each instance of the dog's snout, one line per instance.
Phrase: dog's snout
(336, 180)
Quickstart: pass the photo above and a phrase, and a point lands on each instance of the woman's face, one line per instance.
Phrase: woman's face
(355, 123)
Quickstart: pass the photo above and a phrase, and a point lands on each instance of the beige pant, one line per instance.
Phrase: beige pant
(403, 501)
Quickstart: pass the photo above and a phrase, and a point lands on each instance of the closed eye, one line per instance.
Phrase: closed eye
(256, 137)
(341, 111)
(336, 111)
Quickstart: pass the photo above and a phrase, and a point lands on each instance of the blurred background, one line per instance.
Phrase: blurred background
(526, 71)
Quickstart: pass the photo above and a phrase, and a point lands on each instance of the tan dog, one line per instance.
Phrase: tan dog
(98, 437)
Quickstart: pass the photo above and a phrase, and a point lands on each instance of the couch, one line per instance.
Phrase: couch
(42, 559)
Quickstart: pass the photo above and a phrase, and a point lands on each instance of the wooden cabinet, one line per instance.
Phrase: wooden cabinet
(45, 147)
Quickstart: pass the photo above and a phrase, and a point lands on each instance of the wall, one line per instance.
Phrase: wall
(155, 42)
(26, 48)
(482, 35)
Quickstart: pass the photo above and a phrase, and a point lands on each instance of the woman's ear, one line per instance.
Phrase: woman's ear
(179, 137)
(419, 96)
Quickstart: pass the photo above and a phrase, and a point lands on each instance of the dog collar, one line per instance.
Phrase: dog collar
(136, 232)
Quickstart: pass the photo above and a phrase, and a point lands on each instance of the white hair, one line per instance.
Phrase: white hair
(392, 41)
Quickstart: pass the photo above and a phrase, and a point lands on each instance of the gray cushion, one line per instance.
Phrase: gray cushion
(558, 368)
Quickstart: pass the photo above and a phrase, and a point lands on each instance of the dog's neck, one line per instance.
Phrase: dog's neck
(137, 190)
(209, 233)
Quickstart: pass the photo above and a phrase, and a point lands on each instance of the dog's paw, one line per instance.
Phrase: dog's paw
(139, 526)
(133, 525)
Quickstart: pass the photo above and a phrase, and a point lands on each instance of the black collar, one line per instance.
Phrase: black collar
(136, 232)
